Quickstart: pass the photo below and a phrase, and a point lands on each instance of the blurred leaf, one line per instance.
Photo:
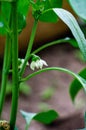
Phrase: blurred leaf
(24, 88)
(42, 106)
(21, 22)
(23, 6)
(75, 86)
(2, 27)
(71, 22)
(79, 6)
(4, 17)
(46, 117)
(79, 55)
(48, 93)
(9, 88)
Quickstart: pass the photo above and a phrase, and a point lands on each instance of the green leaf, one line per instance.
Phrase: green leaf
(43, 117)
(23, 6)
(48, 93)
(4, 17)
(79, 6)
(2, 27)
(21, 22)
(71, 22)
(46, 117)
(43, 10)
(75, 86)
(73, 43)
(48, 14)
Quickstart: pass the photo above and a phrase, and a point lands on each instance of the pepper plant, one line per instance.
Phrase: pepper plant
(13, 15)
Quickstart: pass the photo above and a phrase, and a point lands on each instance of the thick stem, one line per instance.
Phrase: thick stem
(15, 85)
(5, 70)
(29, 47)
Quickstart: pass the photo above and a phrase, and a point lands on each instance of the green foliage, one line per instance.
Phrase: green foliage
(44, 117)
(24, 88)
(71, 22)
(79, 6)
(43, 106)
(13, 20)
(75, 86)
(23, 6)
(4, 17)
(48, 93)
(43, 10)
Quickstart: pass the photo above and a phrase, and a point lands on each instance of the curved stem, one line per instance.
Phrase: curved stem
(80, 79)
(29, 47)
(65, 40)
(15, 78)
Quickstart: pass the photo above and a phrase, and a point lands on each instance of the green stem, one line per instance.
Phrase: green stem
(65, 40)
(29, 47)
(81, 80)
(5, 70)
(15, 78)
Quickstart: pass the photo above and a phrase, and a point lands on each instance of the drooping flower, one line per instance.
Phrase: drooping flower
(37, 63)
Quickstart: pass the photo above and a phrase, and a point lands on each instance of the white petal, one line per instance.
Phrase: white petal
(32, 65)
(44, 62)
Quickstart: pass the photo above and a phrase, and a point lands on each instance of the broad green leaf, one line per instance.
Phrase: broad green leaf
(23, 6)
(43, 9)
(46, 117)
(48, 14)
(43, 117)
(79, 6)
(75, 86)
(4, 17)
(71, 22)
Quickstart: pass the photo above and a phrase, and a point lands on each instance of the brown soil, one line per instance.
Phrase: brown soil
(71, 115)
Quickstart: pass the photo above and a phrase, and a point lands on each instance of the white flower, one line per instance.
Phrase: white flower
(21, 61)
(38, 64)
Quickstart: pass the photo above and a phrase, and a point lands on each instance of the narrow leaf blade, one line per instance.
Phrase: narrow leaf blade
(71, 22)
